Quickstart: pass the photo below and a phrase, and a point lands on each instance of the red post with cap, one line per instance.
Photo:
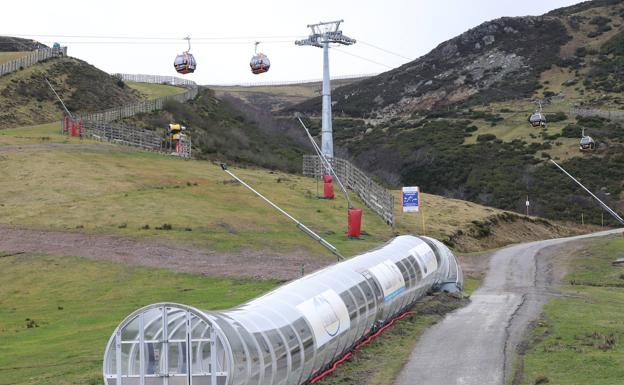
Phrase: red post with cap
(328, 188)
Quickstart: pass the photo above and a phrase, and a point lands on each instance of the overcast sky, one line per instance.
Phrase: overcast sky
(409, 28)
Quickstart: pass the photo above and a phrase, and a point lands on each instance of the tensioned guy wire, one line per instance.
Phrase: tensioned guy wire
(153, 37)
(384, 50)
(363, 58)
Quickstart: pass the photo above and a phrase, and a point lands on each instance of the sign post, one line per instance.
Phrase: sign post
(411, 202)
(411, 199)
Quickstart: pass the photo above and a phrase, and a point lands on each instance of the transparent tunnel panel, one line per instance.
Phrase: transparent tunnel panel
(131, 331)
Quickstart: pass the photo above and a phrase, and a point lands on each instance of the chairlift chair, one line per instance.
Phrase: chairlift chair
(587, 142)
(185, 63)
(259, 63)
(537, 119)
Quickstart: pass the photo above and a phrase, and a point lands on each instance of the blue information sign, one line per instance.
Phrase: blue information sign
(411, 199)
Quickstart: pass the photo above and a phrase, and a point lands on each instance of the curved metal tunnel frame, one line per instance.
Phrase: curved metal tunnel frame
(154, 343)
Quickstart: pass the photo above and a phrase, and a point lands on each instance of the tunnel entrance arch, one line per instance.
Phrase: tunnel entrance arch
(167, 344)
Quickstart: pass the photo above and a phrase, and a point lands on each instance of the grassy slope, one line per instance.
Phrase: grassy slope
(277, 97)
(77, 303)
(34, 111)
(441, 215)
(104, 189)
(26, 99)
(153, 91)
(8, 56)
(33, 134)
(40, 134)
(514, 125)
(569, 342)
(221, 131)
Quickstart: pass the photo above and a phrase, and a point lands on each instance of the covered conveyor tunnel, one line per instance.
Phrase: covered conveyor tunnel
(286, 336)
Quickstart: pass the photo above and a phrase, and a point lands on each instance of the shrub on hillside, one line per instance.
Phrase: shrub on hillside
(485, 137)
(571, 131)
(556, 117)
(600, 20)
(614, 46)
(221, 132)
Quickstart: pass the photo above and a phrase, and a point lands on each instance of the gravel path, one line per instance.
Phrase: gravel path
(476, 345)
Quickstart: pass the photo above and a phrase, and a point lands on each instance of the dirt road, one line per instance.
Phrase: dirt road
(476, 344)
(138, 252)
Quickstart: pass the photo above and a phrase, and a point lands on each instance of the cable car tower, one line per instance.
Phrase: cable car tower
(324, 34)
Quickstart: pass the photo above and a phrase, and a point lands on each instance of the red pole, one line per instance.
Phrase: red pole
(73, 132)
(354, 223)
(66, 125)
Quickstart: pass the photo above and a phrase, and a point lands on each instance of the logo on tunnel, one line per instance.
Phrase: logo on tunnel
(329, 318)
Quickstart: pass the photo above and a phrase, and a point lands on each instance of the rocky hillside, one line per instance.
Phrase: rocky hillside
(497, 60)
(16, 44)
(454, 121)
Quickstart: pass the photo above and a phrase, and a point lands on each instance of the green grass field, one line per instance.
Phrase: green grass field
(49, 132)
(580, 339)
(39, 134)
(278, 96)
(72, 306)
(108, 190)
(116, 190)
(153, 91)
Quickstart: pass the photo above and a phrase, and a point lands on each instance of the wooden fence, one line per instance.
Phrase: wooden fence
(30, 59)
(126, 135)
(146, 105)
(374, 196)
(156, 79)
(599, 113)
(98, 125)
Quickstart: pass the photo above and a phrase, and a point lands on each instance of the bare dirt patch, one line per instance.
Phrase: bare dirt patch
(251, 263)
(475, 265)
